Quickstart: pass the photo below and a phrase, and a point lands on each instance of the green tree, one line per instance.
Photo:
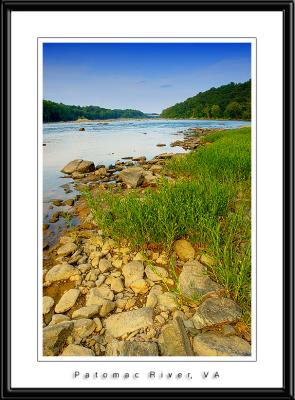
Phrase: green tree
(215, 111)
(233, 110)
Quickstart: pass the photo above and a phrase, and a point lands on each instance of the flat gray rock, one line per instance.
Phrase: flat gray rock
(194, 281)
(129, 321)
(174, 340)
(212, 344)
(132, 177)
(214, 311)
(79, 165)
(54, 337)
(139, 349)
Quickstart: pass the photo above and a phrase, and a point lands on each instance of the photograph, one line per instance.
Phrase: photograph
(148, 182)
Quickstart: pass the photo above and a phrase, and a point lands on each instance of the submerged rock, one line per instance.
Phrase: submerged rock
(213, 344)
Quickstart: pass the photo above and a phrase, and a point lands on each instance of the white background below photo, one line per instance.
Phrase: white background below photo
(264, 369)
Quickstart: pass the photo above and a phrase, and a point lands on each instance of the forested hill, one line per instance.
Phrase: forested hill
(55, 112)
(232, 101)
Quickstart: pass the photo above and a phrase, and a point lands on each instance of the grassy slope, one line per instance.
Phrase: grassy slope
(209, 203)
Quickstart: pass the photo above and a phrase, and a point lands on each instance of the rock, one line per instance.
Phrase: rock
(107, 307)
(184, 250)
(156, 169)
(56, 202)
(194, 281)
(84, 268)
(61, 272)
(86, 312)
(132, 177)
(167, 301)
(129, 321)
(81, 129)
(139, 349)
(139, 286)
(47, 304)
(99, 166)
(215, 311)
(132, 272)
(213, 344)
(54, 337)
(104, 265)
(66, 239)
(54, 217)
(67, 300)
(174, 340)
(82, 166)
(104, 292)
(83, 327)
(140, 158)
(58, 318)
(207, 260)
(101, 171)
(161, 145)
(98, 324)
(152, 298)
(156, 273)
(76, 350)
(117, 285)
(69, 202)
(67, 249)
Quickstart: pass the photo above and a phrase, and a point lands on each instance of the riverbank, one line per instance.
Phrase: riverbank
(156, 291)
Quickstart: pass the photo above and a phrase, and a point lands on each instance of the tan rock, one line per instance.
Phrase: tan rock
(213, 344)
(76, 350)
(67, 300)
(184, 250)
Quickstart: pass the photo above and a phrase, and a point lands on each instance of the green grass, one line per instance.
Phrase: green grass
(209, 203)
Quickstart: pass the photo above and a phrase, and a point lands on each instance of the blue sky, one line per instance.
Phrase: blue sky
(143, 76)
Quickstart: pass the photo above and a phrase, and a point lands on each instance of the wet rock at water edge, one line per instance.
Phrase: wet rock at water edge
(132, 177)
(67, 249)
(77, 350)
(82, 166)
(213, 344)
(214, 311)
(61, 272)
(54, 337)
(129, 321)
(81, 129)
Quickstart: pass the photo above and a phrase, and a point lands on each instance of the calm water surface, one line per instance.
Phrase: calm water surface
(106, 143)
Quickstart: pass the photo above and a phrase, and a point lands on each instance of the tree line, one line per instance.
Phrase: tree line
(56, 112)
(232, 101)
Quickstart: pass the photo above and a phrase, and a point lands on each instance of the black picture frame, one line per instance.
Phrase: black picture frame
(287, 7)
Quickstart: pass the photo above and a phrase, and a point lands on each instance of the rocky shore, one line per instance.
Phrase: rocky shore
(103, 298)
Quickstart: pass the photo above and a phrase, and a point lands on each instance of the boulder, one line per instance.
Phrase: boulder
(184, 250)
(117, 285)
(76, 350)
(132, 177)
(215, 311)
(213, 344)
(86, 312)
(67, 300)
(129, 321)
(103, 292)
(54, 337)
(78, 166)
(67, 249)
(107, 307)
(194, 281)
(174, 340)
(47, 304)
(61, 272)
(132, 272)
(139, 286)
(104, 265)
